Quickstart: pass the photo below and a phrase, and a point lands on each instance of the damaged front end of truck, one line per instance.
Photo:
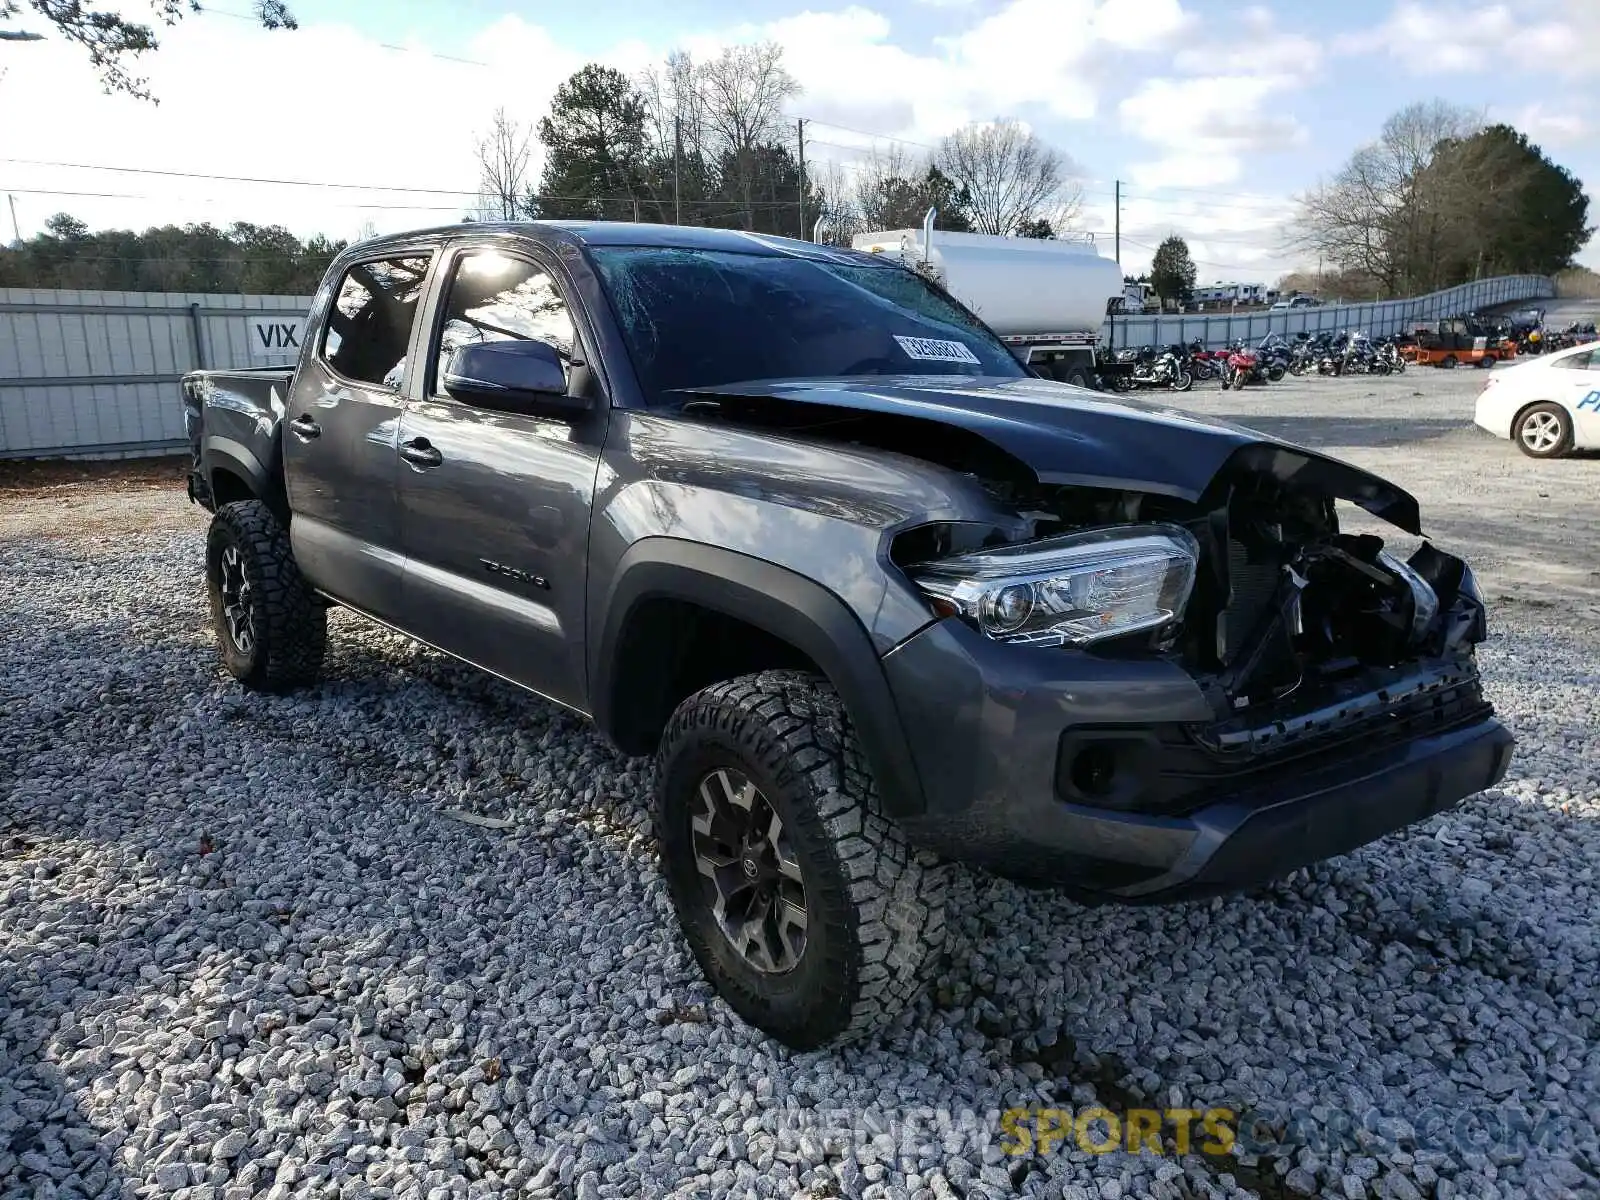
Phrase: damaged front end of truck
(1159, 668)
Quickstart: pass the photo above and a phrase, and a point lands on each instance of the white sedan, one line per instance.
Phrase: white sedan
(1548, 405)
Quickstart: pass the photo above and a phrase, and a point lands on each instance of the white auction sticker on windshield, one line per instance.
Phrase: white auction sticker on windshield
(935, 350)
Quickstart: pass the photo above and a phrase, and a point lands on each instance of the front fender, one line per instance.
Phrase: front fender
(782, 603)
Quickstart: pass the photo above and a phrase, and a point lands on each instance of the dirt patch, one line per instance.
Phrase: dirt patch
(33, 475)
(100, 500)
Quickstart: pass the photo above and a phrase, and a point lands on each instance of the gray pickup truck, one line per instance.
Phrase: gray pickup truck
(878, 599)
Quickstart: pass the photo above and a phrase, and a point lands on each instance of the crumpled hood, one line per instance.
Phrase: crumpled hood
(1071, 436)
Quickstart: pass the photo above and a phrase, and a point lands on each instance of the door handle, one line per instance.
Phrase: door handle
(419, 452)
(305, 428)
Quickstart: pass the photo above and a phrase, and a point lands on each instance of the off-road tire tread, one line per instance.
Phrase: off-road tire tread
(796, 726)
(291, 647)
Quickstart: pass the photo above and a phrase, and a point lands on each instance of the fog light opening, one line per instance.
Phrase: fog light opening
(1094, 770)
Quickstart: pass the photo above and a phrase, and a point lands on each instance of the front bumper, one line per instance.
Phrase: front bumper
(995, 728)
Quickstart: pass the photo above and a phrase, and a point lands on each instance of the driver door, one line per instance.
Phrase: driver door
(494, 505)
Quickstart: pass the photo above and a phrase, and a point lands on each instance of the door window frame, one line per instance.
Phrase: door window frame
(428, 252)
(522, 251)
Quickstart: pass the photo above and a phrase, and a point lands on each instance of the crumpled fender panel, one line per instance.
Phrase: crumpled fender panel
(1070, 437)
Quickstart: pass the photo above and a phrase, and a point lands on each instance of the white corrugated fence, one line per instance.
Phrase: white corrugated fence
(96, 373)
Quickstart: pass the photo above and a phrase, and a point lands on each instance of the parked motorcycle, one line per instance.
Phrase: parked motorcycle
(1241, 367)
(1274, 356)
(1388, 359)
(1154, 368)
(1204, 364)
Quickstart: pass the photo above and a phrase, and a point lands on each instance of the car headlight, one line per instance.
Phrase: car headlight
(1424, 600)
(1072, 589)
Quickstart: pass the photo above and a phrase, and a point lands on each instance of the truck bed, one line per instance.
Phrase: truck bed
(231, 420)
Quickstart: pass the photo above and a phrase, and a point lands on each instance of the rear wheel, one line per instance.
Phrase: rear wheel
(1449, 362)
(1077, 377)
(1543, 431)
(270, 628)
(1182, 382)
(802, 902)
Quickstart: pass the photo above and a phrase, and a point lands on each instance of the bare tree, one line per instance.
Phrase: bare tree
(875, 183)
(836, 205)
(503, 168)
(1377, 216)
(744, 90)
(675, 108)
(1008, 176)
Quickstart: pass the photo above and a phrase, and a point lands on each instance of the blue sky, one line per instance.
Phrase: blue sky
(1213, 114)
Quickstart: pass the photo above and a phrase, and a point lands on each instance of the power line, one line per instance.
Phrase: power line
(357, 187)
(887, 137)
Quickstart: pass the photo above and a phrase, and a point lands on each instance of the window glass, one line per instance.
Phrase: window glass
(700, 318)
(496, 298)
(1575, 362)
(369, 323)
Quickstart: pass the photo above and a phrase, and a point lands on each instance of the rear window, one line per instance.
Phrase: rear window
(702, 318)
(368, 328)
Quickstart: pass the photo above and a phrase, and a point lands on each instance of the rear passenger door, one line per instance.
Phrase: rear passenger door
(341, 429)
(495, 505)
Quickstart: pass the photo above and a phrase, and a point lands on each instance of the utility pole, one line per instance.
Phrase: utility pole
(800, 127)
(677, 157)
(1118, 251)
(16, 230)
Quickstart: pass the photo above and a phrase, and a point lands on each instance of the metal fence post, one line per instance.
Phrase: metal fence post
(198, 328)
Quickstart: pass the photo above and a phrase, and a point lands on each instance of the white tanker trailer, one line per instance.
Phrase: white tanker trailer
(1046, 298)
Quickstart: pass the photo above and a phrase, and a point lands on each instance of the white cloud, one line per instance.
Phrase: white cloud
(230, 105)
(1552, 130)
(1435, 39)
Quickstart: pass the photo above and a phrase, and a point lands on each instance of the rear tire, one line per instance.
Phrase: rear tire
(872, 909)
(271, 630)
(1078, 377)
(1183, 382)
(1543, 430)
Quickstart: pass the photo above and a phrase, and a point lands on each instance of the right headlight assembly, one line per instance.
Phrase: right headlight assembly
(1072, 589)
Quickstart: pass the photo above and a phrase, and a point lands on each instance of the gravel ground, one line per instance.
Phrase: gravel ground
(250, 945)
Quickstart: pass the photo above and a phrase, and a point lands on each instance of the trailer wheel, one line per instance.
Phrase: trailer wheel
(1448, 362)
(1077, 377)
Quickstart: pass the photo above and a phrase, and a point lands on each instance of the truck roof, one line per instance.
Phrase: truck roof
(629, 233)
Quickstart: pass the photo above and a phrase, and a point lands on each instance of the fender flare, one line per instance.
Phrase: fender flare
(784, 604)
(264, 480)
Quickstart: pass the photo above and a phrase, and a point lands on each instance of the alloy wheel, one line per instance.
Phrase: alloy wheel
(235, 588)
(1541, 432)
(748, 871)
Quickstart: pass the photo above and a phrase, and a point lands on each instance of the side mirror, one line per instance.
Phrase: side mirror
(512, 376)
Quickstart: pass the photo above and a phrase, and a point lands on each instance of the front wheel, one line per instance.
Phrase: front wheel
(1543, 431)
(802, 902)
(271, 630)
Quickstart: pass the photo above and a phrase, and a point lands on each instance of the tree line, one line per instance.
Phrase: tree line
(261, 260)
(708, 142)
(1440, 198)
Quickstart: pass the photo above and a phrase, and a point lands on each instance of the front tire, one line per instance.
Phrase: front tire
(1543, 431)
(271, 631)
(803, 904)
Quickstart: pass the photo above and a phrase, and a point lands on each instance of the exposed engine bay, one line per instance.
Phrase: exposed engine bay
(1285, 605)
